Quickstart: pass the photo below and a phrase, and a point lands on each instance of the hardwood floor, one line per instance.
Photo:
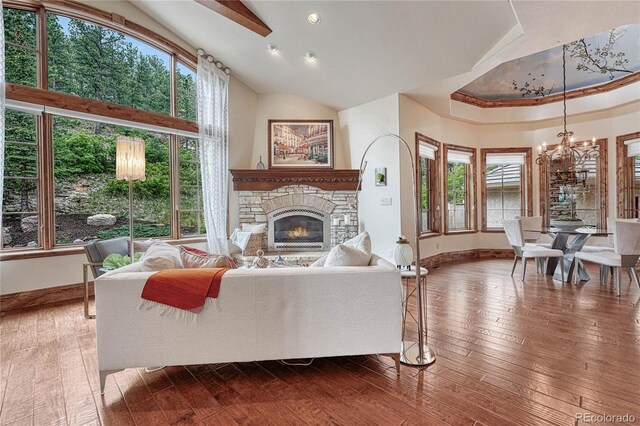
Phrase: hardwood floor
(508, 353)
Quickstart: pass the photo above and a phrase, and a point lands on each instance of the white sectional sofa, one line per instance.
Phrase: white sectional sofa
(260, 314)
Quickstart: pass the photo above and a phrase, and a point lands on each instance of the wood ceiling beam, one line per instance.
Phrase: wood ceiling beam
(238, 13)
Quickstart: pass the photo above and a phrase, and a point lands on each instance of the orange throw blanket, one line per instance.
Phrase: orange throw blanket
(185, 289)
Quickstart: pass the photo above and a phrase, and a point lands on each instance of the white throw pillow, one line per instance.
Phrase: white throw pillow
(345, 255)
(361, 241)
(319, 263)
(161, 256)
(354, 252)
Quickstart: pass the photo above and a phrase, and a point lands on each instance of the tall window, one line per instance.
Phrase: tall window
(628, 176)
(460, 194)
(191, 202)
(20, 206)
(506, 183)
(581, 194)
(21, 64)
(428, 194)
(95, 62)
(85, 184)
(71, 149)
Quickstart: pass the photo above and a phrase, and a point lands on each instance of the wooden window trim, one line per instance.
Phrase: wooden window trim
(602, 166)
(527, 179)
(110, 20)
(41, 95)
(471, 192)
(624, 176)
(435, 195)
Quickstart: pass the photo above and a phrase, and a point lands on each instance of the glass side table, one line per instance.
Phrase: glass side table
(410, 347)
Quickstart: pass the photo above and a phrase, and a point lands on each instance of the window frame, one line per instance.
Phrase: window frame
(41, 95)
(601, 183)
(526, 180)
(471, 193)
(434, 216)
(625, 176)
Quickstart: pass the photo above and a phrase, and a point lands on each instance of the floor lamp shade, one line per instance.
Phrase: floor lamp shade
(130, 163)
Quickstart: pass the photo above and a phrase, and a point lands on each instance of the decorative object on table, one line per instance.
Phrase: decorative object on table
(130, 166)
(381, 176)
(566, 222)
(280, 260)
(403, 253)
(301, 144)
(568, 156)
(260, 165)
(411, 353)
(261, 261)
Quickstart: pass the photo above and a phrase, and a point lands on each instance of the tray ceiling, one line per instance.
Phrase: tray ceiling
(540, 74)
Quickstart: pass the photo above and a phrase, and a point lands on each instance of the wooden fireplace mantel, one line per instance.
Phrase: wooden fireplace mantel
(267, 180)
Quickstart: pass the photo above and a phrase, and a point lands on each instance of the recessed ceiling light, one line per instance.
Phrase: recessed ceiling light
(272, 47)
(310, 56)
(314, 18)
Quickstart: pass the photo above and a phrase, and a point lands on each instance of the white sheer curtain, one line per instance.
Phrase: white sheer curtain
(2, 110)
(214, 149)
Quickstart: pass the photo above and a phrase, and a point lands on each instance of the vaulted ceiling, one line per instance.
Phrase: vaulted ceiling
(369, 49)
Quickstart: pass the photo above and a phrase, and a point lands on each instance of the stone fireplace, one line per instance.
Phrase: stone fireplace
(300, 217)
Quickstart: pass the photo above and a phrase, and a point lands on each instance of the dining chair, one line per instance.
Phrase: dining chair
(611, 226)
(532, 230)
(515, 235)
(626, 243)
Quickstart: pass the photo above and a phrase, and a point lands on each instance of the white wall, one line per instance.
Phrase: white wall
(285, 107)
(243, 105)
(359, 126)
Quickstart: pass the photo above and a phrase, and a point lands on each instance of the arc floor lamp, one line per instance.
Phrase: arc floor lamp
(412, 352)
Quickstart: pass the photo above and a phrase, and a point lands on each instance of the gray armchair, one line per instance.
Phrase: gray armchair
(96, 253)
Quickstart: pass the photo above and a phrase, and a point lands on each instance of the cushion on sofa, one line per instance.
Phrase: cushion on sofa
(193, 250)
(159, 256)
(142, 246)
(207, 260)
(354, 252)
(344, 255)
(319, 263)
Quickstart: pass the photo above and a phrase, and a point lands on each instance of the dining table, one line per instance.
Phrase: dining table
(569, 247)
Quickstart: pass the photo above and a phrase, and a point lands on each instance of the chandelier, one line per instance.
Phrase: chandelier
(567, 160)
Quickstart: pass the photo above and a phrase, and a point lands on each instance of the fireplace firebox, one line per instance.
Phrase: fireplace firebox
(303, 229)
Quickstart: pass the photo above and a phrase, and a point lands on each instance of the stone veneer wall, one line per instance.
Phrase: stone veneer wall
(251, 211)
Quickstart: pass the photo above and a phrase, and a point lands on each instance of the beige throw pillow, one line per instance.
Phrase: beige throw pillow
(354, 252)
(160, 256)
(344, 255)
(193, 260)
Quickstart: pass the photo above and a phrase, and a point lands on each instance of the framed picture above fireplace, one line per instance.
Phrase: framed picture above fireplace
(299, 144)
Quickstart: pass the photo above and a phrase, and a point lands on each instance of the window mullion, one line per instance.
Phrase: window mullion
(174, 185)
(46, 216)
(41, 46)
